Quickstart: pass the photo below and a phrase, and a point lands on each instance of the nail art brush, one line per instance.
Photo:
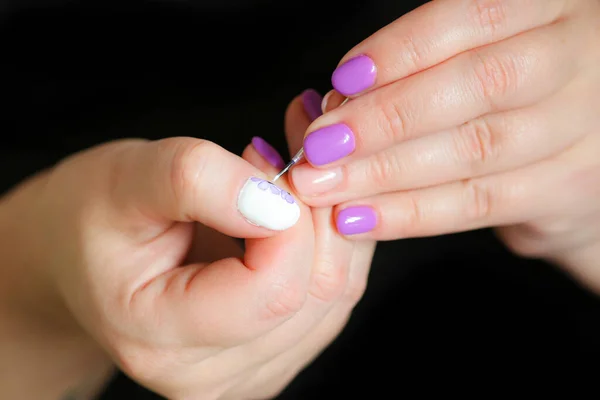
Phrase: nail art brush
(299, 155)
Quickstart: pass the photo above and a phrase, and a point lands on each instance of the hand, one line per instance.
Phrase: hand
(123, 246)
(466, 114)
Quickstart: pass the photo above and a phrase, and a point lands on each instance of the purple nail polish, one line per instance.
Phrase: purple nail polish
(354, 220)
(268, 152)
(329, 144)
(312, 103)
(354, 76)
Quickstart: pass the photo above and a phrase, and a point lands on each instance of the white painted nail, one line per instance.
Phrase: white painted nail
(264, 204)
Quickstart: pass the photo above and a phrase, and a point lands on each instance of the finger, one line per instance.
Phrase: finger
(302, 110)
(326, 287)
(333, 253)
(501, 199)
(329, 274)
(434, 33)
(489, 144)
(288, 364)
(185, 179)
(263, 156)
(334, 267)
(511, 74)
(312, 102)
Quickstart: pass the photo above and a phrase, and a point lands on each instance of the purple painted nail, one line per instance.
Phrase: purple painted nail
(312, 103)
(329, 144)
(354, 220)
(268, 152)
(354, 76)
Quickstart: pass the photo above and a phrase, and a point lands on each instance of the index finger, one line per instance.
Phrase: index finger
(435, 32)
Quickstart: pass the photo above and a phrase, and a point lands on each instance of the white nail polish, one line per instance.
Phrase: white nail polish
(264, 204)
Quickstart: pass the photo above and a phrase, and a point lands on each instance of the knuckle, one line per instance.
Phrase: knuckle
(496, 75)
(413, 214)
(329, 283)
(355, 290)
(383, 170)
(475, 144)
(413, 52)
(285, 300)
(189, 162)
(394, 120)
(478, 200)
(489, 15)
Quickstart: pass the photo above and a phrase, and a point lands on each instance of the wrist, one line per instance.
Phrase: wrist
(43, 352)
(23, 284)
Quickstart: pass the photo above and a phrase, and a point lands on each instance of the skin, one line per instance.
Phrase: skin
(483, 114)
(122, 256)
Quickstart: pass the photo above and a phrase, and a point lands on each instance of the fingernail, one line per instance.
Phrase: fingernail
(326, 100)
(354, 220)
(354, 76)
(334, 100)
(268, 152)
(310, 181)
(312, 103)
(264, 204)
(329, 144)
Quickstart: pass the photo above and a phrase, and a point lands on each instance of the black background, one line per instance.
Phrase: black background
(451, 314)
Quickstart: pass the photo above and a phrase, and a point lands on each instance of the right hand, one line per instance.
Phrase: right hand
(123, 246)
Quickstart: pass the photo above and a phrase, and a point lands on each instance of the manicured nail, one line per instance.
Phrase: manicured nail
(354, 220)
(312, 103)
(268, 152)
(334, 100)
(354, 76)
(264, 204)
(329, 144)
(326, 100)
(310, 181)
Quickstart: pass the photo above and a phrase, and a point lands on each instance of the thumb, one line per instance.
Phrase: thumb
(231, 301)
(187, 179)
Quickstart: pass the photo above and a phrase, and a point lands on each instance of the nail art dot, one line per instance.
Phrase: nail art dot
(289, 198)
(264, 185)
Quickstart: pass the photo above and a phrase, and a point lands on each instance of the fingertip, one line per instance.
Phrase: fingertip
(311, 101)
(264, 203)
(263, 156)
(294, 108)
(296, 123)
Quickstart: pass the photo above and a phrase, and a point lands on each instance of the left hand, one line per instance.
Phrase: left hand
(467, 114)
